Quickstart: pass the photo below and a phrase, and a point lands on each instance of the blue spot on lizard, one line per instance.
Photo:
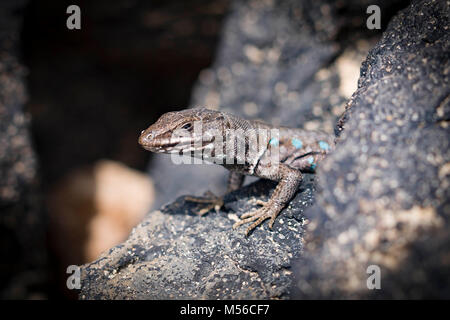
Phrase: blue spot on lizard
(311, 162)
(274, 142)
(297, 143)
(323, 145)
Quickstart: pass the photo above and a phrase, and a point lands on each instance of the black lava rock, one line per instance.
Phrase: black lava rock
(174, 254)
(385, 190)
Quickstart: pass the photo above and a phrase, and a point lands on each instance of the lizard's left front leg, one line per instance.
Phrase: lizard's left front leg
(289, 181)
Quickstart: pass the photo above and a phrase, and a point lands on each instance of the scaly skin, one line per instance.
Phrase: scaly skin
(278, 153)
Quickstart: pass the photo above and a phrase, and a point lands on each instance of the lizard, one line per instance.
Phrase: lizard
(281, 155)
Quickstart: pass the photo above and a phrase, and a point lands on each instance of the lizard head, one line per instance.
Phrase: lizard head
(183, 131)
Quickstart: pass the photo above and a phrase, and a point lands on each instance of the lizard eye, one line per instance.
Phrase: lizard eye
(187, 126)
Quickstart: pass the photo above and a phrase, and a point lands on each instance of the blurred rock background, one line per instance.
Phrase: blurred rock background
(22, 220)
(71, 99)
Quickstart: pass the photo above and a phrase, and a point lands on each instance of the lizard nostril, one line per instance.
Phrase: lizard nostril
(145, 138)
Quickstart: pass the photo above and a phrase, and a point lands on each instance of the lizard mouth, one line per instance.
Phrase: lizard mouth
(180, 145)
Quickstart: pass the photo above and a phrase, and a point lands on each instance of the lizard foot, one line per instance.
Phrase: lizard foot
(213, 201)
(267, 211)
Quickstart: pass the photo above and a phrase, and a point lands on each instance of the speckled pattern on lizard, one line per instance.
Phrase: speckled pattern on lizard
(282, 155)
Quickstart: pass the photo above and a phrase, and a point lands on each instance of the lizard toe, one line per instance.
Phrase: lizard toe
(256, 223)
(252, 216)
(268, 211)
(261, 203)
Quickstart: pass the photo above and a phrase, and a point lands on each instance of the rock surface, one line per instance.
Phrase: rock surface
(385, 191)
(382, 197)
(174, 254)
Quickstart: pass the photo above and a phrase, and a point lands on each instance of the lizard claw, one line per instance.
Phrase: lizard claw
(252, 213)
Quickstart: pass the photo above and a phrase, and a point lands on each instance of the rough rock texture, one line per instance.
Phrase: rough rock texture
(382, 196)
(21, 222)
(174, 254)
(385, 198)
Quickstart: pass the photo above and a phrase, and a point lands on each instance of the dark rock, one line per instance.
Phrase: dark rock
(22, 224)
(385, 190)
(174, 254)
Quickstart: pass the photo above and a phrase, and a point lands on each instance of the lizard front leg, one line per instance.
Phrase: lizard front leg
(235, 181)
(289, 181)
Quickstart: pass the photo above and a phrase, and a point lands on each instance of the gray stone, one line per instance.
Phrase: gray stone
(174, 254)
(385, 190)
